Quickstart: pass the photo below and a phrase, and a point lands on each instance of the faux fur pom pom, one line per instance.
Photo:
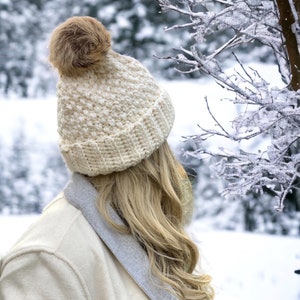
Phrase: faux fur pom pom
(77, 45)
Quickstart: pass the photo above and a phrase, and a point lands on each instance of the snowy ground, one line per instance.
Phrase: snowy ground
(243, 266)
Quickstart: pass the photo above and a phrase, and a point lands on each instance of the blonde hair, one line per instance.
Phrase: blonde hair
(154, 200)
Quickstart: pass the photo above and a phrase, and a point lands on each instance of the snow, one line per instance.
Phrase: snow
(249, 266)
(244, 266)
(36, 117)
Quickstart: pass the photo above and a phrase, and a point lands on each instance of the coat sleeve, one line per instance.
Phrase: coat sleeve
(40, 275)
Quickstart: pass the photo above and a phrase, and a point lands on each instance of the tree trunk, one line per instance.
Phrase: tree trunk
(297, 6)
(286, 21)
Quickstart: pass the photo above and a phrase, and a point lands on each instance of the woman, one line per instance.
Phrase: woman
(116, 231)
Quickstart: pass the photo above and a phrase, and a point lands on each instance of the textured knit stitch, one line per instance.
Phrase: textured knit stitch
(113, 117)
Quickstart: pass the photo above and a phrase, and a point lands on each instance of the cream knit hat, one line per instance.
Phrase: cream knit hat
(111, 112)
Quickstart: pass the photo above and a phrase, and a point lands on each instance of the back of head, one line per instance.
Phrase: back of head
(111, 112)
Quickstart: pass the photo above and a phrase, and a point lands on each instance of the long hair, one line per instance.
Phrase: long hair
(154, 199)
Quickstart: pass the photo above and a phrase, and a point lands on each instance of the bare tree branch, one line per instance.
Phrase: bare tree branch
(269, 111)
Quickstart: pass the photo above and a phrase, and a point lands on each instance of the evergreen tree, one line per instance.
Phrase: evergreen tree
(20, 31)
(3, 199)
(137, 29)
(18, 195)
(54, 175)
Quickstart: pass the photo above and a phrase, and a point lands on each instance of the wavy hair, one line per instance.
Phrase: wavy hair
(154, 199)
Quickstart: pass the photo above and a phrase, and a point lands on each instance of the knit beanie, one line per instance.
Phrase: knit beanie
(111, 112)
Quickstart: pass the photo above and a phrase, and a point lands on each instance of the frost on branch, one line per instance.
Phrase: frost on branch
(269, 111)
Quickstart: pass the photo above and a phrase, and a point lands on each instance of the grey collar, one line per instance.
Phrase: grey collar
(81, 194)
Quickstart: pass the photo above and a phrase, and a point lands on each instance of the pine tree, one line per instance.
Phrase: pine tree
(19, 33)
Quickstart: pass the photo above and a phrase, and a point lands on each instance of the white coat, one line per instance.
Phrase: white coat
(63, 256)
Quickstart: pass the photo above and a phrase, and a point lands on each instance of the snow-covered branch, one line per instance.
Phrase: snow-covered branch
(269, 111)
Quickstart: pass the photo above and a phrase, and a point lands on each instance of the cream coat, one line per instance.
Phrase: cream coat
(62, 257)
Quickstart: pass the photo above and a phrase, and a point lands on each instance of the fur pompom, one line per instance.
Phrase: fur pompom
(77, 45)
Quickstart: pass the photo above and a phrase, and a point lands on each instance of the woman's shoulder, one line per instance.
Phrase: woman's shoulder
(64, 240)
(60, 229)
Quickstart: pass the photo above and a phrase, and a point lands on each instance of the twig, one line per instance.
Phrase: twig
(211, 114)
